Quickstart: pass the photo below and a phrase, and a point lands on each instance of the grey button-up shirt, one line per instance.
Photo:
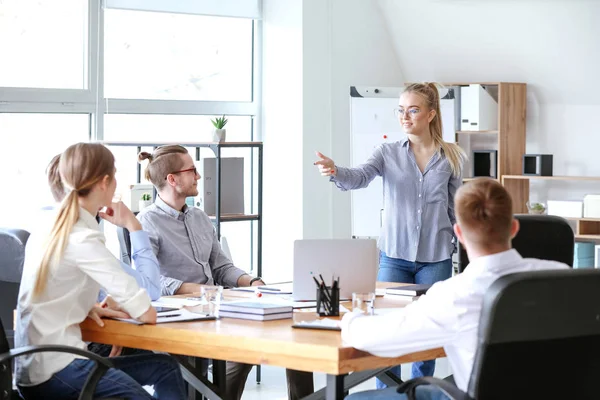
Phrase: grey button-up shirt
(418, 207)
(186, 246)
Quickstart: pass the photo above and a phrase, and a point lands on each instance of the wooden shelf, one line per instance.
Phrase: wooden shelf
(478, 132)
(552, 178)
(236, 217)
(471, 179)
(582, 219)
(588, 237)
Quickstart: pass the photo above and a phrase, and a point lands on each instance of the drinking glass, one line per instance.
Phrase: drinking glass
(211, 300)
(363, 303)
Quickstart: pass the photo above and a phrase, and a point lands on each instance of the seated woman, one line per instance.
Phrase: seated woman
(64, 271)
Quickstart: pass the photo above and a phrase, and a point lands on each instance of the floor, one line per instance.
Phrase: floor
(273, 386)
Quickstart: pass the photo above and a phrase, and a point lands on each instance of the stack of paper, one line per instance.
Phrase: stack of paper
(255, 310)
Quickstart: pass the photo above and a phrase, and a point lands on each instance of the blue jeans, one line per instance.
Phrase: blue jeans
(398, 270)
(125, 380)
(424, 392)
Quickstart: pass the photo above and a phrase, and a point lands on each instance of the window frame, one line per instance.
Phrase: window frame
(92, 101)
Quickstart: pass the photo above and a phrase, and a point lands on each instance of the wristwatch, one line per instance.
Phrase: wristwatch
(258, 278)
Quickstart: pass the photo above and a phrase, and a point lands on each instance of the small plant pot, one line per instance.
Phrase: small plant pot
(536, 208)
(143, 204)
(219, 135)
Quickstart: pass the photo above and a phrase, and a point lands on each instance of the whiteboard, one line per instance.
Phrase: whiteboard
(372, 122)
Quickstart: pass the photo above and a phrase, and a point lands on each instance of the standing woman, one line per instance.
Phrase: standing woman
(64, 271)
(421, 174)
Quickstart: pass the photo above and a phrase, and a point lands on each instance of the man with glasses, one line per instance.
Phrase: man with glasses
(188, 249)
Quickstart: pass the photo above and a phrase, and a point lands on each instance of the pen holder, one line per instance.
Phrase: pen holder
(328, 301)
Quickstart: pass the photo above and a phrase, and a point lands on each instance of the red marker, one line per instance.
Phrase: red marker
(385, 136)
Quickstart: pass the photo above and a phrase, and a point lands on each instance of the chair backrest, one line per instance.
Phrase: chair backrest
(546, 237)
(12, 256)
(124, 245)
(539, 337)
(5, 368)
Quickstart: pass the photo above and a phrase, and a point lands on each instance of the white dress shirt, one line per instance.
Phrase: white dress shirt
(71, 291)
(447, 316)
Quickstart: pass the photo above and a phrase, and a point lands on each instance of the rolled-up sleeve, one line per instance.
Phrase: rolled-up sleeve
(169, 286)
(223, 270)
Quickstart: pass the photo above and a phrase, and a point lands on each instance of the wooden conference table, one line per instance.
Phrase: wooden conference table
(256, 342)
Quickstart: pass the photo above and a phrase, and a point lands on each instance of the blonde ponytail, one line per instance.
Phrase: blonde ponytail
(453, 153)
(58, 239)
(80, 167)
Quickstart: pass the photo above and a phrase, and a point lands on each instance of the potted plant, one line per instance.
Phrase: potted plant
(220, 131)
(145, 201)
(536, 208)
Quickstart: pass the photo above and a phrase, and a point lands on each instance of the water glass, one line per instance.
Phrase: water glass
(363, 303)
(211, 300)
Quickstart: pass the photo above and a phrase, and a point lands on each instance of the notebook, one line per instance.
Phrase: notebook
(408, 290)
(254, 307)
(172, 316)
(325, 323)
(256, 317)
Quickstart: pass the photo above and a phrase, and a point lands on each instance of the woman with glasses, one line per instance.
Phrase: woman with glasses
(420, 174)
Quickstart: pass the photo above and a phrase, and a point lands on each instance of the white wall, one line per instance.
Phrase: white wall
(282, 134)
(314, 50)
(553, 46)
(362, 55)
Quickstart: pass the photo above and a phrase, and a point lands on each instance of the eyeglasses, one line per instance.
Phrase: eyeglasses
(411, 113)
(183, 170)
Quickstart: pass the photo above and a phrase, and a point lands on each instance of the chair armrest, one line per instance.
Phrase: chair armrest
(448, 388)
(21, 351)
(102, 364)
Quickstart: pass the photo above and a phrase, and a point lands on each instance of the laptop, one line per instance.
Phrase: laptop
(354, 261)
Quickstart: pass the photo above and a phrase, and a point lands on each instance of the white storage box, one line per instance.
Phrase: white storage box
(597, 256)
(478, 109)
(573, 209)
(591, 206)
(232, 185)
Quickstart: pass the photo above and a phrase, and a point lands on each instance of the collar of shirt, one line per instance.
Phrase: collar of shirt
(495, 262)
(88, 219)
(180, 215)
(434, 159)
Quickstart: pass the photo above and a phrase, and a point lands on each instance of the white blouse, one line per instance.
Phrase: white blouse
(71, 291)
(447, 316)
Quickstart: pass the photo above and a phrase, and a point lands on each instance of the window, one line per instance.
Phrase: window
(150, 55)
(43, 44)
(153, 76)
(29, 142)
(172, 128)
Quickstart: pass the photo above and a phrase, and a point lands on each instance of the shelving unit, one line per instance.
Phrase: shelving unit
(585, 228)
(219, 218)
(510, 141)
(518, 187)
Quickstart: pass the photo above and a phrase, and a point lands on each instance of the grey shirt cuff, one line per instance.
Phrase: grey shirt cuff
(170, 286)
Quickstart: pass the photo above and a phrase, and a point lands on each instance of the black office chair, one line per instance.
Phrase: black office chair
(6, 356)
(124, 245)
(12, 255)
(533, 324)
(546, 237)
